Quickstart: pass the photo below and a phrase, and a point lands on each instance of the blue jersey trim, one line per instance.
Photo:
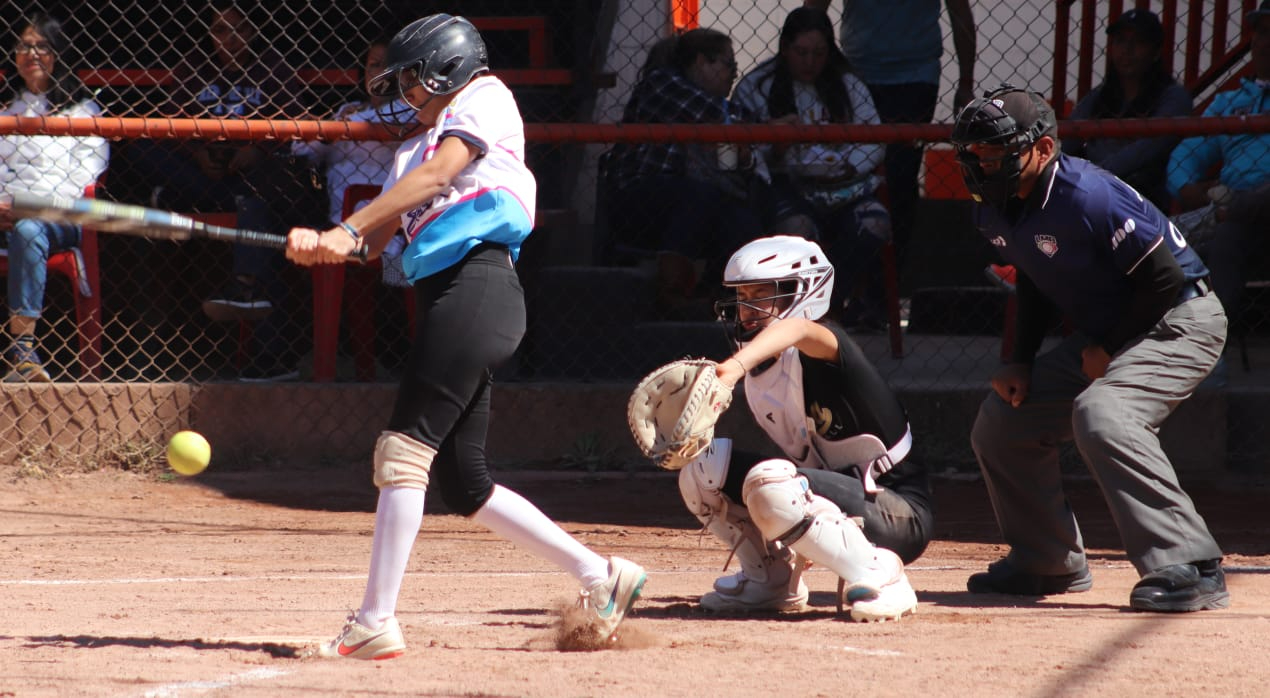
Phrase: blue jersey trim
(493, 216)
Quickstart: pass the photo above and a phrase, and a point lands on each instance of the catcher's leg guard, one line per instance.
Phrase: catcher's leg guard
(785, 511)
(768, 580)
(401, 461)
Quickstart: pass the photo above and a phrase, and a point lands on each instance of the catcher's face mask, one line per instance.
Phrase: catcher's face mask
(756, 306)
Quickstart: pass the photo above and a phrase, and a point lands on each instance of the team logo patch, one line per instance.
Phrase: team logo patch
(1047, 244)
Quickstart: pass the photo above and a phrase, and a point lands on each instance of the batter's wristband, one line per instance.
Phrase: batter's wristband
(348, 228)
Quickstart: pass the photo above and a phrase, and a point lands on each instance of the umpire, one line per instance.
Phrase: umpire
(1147, 331)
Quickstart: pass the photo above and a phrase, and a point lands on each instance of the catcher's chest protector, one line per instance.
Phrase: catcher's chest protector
(778, 402)
(776, 399)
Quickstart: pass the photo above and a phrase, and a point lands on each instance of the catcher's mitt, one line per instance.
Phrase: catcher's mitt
(673, 411)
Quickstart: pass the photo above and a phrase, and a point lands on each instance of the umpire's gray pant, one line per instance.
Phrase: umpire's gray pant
(1115, 423)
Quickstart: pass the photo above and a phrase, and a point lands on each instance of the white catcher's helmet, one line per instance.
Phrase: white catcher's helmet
(797, 266)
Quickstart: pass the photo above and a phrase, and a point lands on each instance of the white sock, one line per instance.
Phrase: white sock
(397, 519)
(513, 517)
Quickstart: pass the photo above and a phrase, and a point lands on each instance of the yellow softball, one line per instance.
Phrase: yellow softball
(188, 452)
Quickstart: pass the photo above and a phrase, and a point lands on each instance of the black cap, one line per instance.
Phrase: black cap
(1031, 112)
(1263, 11)
(1144, 23)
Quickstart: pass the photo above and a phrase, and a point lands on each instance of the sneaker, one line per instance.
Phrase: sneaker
(238, 301)
(357, 641)
(1195, 586)
(1003, 578)
(1002, 276)
(611, 599)
(25, 366)
(868, 603)
(738, 594)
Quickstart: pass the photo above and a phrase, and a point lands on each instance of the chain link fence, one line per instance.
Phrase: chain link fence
(606, 302)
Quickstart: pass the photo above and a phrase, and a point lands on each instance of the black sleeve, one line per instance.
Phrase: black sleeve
(1035, 316)
(856, 389)
(1156, 282)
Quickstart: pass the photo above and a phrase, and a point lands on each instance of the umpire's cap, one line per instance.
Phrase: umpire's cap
(1006, 115)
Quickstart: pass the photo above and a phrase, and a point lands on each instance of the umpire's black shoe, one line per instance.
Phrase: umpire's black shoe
(1003, 578)
(1194, 586)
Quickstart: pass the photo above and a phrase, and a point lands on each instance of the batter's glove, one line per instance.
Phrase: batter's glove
(673, 411)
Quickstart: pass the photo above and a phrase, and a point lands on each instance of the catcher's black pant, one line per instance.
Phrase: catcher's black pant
(900, 518)
(470, 319)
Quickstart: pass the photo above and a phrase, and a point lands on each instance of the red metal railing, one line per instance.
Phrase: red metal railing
(241, 129)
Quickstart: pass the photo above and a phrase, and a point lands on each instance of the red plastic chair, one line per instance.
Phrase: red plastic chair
(87, 306)
(328, 292)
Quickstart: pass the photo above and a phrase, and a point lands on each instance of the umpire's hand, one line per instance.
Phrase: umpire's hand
(1011, 383)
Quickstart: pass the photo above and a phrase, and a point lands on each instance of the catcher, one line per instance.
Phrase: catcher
(843, 496)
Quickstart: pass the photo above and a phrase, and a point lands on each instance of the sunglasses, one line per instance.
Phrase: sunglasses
(40, 49)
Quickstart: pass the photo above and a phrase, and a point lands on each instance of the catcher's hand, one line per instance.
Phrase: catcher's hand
(673, 411)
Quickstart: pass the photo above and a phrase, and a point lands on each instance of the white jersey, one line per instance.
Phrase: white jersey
(491, 200)
(57, 165)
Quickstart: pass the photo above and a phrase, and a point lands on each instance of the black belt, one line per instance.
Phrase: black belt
(1192, 290)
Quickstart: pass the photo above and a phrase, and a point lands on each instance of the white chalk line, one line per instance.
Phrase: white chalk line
(173, 690)
(1233, 569)
(871, 652)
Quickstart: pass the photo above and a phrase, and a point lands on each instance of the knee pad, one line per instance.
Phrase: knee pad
(780, 501)
(701, 480)
(700, 485)
(784, 508)
(401, 461)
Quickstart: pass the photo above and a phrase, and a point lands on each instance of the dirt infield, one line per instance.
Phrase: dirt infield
(122, 585)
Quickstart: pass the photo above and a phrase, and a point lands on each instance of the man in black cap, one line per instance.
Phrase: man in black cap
(1147, 331)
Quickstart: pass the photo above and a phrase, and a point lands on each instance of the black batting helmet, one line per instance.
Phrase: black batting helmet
(441, 53)
(1008, 117)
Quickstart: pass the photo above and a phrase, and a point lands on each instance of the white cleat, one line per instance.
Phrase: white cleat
(868, 603)
(737, 594)
(610, 600)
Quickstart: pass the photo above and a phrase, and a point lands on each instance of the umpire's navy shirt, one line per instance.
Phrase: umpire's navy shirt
(1078, 236)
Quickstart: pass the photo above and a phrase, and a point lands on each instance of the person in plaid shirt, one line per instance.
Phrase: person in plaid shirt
(686, 201)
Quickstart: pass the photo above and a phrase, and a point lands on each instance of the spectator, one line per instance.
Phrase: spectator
(1137, 85)
(350, 162)
(822, 191)
(686, 200)
(1240, 194)
(241, 78)
(896, 48)
(46, 165)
